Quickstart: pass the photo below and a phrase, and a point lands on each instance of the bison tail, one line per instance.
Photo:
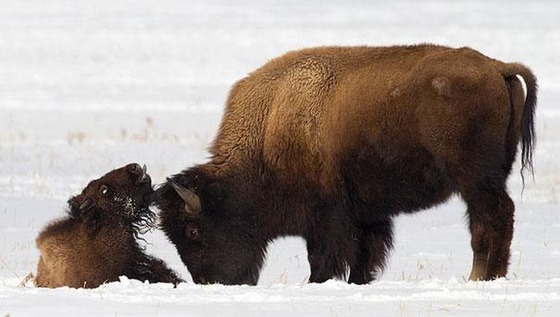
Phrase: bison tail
(528, 136)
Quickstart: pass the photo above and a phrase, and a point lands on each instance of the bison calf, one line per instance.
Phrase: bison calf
(97, 241)
(331, 143)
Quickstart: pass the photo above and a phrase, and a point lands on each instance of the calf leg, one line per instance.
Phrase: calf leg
(375, 242)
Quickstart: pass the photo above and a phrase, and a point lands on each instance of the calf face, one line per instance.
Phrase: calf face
(122, 195)
(97, 242)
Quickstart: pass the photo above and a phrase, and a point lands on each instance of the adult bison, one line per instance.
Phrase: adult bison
(97, 241)
(330, 143)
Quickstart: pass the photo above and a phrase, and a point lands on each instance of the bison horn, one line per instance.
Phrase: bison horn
(192, 201)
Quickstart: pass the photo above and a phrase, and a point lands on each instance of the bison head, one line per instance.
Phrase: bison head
(214, 239)
(122, 196)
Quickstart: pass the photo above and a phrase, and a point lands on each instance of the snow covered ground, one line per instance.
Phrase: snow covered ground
(87, 86)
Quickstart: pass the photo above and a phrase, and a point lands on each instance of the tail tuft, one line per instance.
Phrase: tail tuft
(528, 136)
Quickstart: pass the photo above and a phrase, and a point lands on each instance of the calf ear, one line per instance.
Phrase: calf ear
(75, 202)
(86, 204)
(79, 204)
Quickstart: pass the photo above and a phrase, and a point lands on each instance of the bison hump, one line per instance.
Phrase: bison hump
(292, 142)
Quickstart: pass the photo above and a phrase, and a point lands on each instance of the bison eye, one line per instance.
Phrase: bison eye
(193, 233)
(104, 189)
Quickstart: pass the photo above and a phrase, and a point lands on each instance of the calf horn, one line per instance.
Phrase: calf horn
(192, 201)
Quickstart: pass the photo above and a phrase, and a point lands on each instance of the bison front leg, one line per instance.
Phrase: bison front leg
(331, 249)
(323, 265)
(327, 261)
(375, 242)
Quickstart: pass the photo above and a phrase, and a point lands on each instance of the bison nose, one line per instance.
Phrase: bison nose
(143, 176)
(135, 168)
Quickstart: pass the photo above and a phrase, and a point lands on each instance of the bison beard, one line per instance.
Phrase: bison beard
(331, 143)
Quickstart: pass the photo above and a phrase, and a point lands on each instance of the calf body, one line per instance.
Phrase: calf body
(330, 143)
(97, 242)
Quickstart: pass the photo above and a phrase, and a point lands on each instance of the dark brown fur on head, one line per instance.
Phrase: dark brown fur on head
(98, 241)
(120, 196)
(237, 252)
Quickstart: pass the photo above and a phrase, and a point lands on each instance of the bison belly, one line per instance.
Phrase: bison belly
(381, 184)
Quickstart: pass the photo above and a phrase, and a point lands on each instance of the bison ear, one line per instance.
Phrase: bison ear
(77, 203)
(74, 202)
(193, 205)
(215, 192)
(86, 204)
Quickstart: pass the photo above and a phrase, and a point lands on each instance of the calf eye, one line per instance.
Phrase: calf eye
(104, 189)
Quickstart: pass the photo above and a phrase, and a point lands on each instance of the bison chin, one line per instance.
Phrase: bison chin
(227, 264)
(246, 278)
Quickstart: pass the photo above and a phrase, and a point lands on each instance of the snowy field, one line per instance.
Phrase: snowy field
(87, 86)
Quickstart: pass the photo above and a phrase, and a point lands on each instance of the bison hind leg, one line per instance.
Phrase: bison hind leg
(490, 211)
(375, 242)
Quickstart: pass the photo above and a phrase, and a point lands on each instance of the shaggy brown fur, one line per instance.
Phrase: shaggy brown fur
(330, 143)
(97, 241)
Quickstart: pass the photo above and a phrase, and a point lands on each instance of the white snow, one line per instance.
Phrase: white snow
(87, 86)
